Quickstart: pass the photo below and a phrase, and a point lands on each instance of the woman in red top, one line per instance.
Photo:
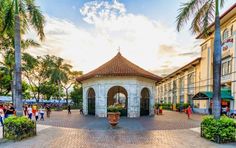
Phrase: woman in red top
(189, 111)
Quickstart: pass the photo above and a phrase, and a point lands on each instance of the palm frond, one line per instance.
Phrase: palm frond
(23, 16)
(208, 18)
(222, 2)
(202, 17)
(36, 18)
(185, 11)
(8, 19)
(28, 43)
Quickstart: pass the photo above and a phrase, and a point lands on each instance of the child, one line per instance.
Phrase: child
(41, 111)
(29, 112)
(189, 111)
(36, 115)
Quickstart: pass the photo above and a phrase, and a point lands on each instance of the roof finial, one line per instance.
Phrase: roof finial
(118, 49)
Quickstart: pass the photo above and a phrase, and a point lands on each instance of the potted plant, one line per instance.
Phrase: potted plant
(113, 114)
(156, 108)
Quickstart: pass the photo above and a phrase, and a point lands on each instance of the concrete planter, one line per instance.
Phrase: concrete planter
(113, 118)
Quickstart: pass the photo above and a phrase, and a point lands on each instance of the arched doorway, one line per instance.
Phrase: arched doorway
(118, 95)
(91, 101)
(144, 102)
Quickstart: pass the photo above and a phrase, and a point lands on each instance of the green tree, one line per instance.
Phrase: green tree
(26, 90)
(77, 95)
(32, 72)
(16, 17)
(204, 12)
(6, 68)
(70, 81)
(48, 90)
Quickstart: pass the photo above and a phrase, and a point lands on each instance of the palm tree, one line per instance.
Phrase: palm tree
(17, 15)
(204, 12)
(58, 72)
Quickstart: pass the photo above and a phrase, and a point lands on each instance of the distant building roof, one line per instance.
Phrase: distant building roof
(119, 66)
(192, 63)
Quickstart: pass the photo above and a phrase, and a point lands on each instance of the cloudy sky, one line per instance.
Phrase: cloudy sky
(88, 33)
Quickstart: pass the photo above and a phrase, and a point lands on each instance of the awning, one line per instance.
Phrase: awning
(206, 95)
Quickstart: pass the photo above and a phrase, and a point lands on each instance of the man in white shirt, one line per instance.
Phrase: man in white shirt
(29, 112)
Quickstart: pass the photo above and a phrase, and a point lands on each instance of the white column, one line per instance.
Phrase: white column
(85, 101)
(101, 101)
(152, 100)
(133, 101)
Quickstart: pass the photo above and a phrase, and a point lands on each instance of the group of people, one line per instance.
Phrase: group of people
(30, 111)
(34, 111)
(6, 110)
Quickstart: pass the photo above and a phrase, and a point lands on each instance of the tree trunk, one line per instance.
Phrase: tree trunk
(217, 66)
(59, 89)
(12, 91)
(17, 72)
(67, 96)
(37, 99)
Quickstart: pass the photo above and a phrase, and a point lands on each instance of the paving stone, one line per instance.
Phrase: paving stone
(74, 131)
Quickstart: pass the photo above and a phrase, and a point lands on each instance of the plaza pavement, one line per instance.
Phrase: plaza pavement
(172, 130)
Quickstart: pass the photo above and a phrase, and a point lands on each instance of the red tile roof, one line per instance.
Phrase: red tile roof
(119, 66)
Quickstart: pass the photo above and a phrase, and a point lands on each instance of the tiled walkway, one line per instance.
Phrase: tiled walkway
(168, 121)
(74, 131)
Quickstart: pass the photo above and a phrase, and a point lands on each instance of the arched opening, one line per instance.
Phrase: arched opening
(91, 101)
(118, 95)
(144, 102)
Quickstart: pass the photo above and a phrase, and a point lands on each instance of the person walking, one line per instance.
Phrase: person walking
(29, 112)
(48, 110)
(25, 110)
(41, 111)
(10, 111)
(227, 111)
(36, 115)
(189, 111)
(1, 114)
(69, 108)
(34, 109)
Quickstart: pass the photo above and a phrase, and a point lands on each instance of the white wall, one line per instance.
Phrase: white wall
(133, 86)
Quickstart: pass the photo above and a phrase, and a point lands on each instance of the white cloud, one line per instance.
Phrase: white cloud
(95, 12)
(139, 37)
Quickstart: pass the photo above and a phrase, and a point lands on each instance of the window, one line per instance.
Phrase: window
(226, 66)
(191, 83)
(181, 85)
(232, 30)
(165, 89)
(169, 88)
(174, 87)
(225, 34)
(190, 78)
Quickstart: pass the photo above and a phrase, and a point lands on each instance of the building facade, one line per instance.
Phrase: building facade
(181, 85)
(119, 82)
(196, 78)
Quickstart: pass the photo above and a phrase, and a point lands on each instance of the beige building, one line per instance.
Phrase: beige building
(194, 80)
